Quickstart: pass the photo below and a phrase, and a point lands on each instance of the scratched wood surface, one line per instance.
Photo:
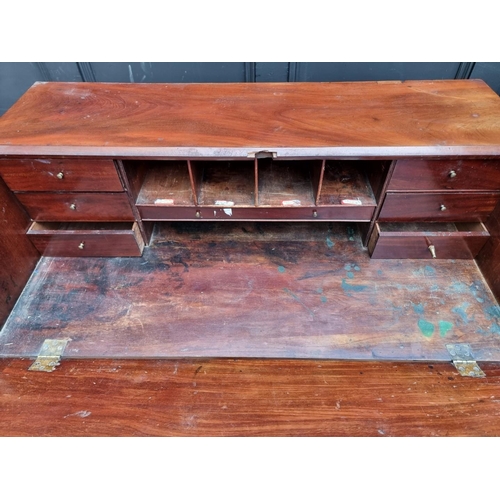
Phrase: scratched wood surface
(489, 258)
(363, 118)
(213, 397)
(18, 257)
(255, 290)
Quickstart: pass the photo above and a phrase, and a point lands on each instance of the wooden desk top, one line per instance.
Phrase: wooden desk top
(364, 119)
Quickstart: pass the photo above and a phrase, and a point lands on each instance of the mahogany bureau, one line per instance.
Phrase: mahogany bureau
(309, 220)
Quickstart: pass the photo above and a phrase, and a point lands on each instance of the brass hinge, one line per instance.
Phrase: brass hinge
(463, 359)
(49, 356)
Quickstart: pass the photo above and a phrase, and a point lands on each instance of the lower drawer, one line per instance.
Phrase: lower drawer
(427, 241)
(63, 239)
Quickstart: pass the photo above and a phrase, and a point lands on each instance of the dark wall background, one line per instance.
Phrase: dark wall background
(16, 78)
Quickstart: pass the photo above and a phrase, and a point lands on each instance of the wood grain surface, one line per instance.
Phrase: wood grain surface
(76, 174)
(256, 290)
(412, 241)
(211, 397)
(488, 259)
(417, 206)
(18, 257)
(232, 120)
(429, 175)
(120, 239)
(91, 207)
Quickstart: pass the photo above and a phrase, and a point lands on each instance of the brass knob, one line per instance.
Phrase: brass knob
(72, 206)
(315, 213)
(81, 246)
(442, 208)
(60, 175)
(452, 174)
(198, 214)
(432, 249)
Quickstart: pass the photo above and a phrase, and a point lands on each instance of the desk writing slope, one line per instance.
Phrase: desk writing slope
(305, 220)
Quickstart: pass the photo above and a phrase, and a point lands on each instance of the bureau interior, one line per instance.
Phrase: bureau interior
(255, 289)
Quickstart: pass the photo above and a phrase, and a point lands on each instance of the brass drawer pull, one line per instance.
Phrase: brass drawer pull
(442, 208)
(198, 214)
(72, 206)
(315, 213)
(60, 175)
(432, 249)
(452, 174)
(81, 246)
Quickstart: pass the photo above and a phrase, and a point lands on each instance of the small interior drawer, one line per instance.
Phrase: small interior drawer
(439, 206)
(427, 240)
(63, 239)
(228, 212)
(421, 175)
(60, 174)
(82, 207)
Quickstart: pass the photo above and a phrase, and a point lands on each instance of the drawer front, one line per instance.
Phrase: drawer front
(60, 175)
(414, 175)
(438, 206)
(77, 206)
(417, 245)
(341, 213)
(87, 242)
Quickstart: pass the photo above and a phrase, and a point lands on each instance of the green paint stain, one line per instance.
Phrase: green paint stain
(356, 268)
(434, 288)
(426, 328)
(347, 287)
(329, 242)
(430, 270)
(348, 267)
(320, 290)
(444, 327)
(418, 308)
(462, 311)
(379, 272)
(323, 299)
(281, 269)
(495, 328)
(350, 275)
(493, 311)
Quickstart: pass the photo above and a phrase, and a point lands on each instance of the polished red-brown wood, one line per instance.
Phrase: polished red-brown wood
(384, 119)
(111, 239)
(429, 175)
(159, 212)
(87, 206)
(489, 258)
(461, 174)
(439, 206)
(413, 241)
(18, 257)
(213, 397)
(60, 174)
(275, 290)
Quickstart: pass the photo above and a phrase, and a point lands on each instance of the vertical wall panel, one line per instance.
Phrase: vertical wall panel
(345, 71)
(17, 78)
(489, 72)
(146, 72)
(272, 72)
